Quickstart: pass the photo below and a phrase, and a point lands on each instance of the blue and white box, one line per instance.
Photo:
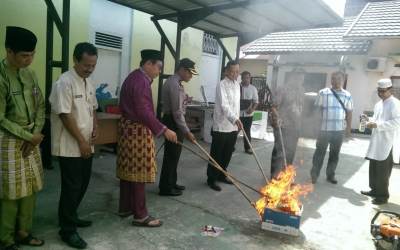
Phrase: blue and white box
(281, 222)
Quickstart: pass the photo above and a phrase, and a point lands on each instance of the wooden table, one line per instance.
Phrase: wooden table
(107, 128)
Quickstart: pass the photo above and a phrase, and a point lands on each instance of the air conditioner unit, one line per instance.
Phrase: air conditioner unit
(375, 64)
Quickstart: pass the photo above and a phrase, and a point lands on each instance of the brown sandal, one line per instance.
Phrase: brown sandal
(28, 241)
(146, 222)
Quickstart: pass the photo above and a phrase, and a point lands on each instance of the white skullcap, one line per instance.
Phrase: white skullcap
(384, 83)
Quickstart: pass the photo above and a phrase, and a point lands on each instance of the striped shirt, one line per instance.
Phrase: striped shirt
(333, 114)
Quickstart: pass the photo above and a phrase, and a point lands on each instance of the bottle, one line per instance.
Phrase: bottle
(363, 123)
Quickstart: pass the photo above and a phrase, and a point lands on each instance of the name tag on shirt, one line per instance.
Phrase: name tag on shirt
(17, 92)
(78, 96)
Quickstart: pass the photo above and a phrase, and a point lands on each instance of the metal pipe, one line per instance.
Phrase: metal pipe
(282, 143)
(255, 156)
(220, 168)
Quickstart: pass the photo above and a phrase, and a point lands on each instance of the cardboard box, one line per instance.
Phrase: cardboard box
(281, 222)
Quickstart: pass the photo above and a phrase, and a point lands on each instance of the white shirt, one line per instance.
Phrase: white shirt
(386, 135)
(71, 95)
(227, 106)
(249, 92)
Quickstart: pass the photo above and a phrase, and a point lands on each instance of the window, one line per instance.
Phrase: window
(210, 44)
(396, 86)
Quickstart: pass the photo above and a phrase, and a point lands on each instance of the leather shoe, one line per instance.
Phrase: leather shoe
(172, 192)
(368, 193)
(313, 179)
(11, 247)
(74, 240)
(83, 223)
(248, 151)
(214, 186)
(378, 201)
(332, 180)
(226, 180)
(179, 187)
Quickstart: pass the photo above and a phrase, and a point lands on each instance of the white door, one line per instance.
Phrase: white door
(108, 70)
(210, 74)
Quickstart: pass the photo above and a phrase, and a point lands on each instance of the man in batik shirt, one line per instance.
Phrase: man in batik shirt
(21, 121)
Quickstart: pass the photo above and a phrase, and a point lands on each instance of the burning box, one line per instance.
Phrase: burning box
(281, 222)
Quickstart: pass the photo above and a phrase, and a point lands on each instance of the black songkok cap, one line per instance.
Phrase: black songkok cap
(150, 54)
(20, 39)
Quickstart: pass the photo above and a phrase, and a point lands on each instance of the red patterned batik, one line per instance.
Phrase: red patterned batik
(136, 156)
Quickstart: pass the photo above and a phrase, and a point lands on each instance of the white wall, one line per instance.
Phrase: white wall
(360, 83)
(254, 66)
(113, 19)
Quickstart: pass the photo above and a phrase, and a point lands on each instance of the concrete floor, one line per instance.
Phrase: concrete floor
(334, 217)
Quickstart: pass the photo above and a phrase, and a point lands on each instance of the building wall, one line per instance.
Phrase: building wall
(101, 12)
(32, 15)
(255, 67)
(146, 36)
(362, 84)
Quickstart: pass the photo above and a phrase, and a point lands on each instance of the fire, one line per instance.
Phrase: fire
(281, 193)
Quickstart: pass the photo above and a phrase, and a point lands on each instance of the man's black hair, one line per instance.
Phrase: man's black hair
(82, 48)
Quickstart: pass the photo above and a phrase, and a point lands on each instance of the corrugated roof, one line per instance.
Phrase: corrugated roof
(377, 20)
(323, 40)
(230, 17)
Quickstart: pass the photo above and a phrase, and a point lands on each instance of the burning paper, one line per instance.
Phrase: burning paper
(211, 231)
(282, 194)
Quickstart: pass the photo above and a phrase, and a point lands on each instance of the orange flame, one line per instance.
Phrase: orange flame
(281, 193)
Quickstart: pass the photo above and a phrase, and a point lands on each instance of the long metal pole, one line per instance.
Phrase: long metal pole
(220, 168)
(282, 143)
(255, 155)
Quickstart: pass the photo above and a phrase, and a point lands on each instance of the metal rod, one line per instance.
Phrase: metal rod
(159, 149)
(255, 155)
(282, 143)
(65, 35)
(220, 168)
(166, 40)
(178, 42)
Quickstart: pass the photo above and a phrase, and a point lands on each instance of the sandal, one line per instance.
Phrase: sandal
(147, 222)
(28, 241)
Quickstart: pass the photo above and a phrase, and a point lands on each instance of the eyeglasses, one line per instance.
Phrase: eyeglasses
(381, 90)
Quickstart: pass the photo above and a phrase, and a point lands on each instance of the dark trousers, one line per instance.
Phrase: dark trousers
(290, 138)
(75, 177)
(334, 139)
(132, 198)
(379, 174)
(45, 146)
(247, 121)
(172, 153)
(222, 146)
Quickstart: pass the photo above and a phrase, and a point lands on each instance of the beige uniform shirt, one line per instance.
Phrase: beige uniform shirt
(74, 95)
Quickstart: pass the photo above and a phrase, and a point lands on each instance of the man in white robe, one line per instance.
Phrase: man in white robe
(384, 147)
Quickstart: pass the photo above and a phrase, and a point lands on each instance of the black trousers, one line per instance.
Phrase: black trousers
(290, 138)
(379, 174)
(247, 122)
(45, 146)
(172, 153)
(75, 177)
(222, 146)
(334, 139)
